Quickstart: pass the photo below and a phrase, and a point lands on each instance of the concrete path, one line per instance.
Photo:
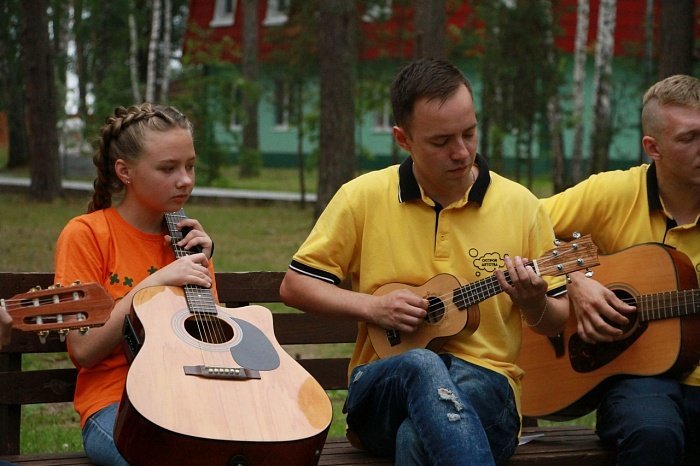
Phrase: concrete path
(204, 193)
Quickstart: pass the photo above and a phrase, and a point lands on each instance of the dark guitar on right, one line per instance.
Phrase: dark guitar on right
(563, 374)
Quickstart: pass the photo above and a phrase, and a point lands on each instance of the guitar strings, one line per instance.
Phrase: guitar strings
(199, 299)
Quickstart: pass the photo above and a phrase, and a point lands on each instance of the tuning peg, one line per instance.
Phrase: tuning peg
(43, 334)
(557, 242)
(62, 334)
(576, 235)
(35, 288)
(588, 273)
(83, 330)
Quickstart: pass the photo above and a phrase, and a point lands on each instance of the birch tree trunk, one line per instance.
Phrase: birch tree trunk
(153, 52)
(580, 42)
(602, 121)
(134, 57)
(167, 44)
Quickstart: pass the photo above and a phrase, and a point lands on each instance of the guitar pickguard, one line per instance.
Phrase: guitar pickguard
(255, 350)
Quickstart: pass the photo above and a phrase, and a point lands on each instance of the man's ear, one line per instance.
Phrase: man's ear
(651, 147)
(401, 138)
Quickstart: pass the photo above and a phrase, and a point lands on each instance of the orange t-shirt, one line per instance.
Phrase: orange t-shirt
(102, 247)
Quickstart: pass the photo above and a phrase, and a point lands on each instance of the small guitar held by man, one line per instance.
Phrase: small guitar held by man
(453, 307)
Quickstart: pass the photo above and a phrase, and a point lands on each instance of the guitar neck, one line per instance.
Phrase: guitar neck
(481, 290)
(669, 304)
(199, 299)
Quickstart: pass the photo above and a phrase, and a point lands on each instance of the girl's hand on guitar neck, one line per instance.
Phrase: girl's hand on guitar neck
(194, 238)
(187, 270)
(597, 309)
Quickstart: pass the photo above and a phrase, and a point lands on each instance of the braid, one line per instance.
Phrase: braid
(122, 137)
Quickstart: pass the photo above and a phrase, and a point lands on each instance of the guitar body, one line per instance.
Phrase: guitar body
(252, 404)
(436, 327)
(563, 375)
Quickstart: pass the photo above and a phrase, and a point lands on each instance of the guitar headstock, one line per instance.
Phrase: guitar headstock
(60, 309)
(577, 254)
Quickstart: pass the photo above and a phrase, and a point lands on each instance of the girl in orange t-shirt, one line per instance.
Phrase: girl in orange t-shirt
(146, 153)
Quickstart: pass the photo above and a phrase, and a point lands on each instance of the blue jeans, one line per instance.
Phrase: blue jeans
(98, 438)
(423, 408)
(650, 421)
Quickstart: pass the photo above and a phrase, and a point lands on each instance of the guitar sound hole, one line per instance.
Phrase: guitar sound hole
(627, 298)
(209, 329)
(436, 310)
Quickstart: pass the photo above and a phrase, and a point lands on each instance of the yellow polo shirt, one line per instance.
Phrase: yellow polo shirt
(621, 209)
(382, 228)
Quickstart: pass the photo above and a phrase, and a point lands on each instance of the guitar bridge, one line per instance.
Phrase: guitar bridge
(217, 372)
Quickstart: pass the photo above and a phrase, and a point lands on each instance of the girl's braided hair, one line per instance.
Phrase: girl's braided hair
(122, 137)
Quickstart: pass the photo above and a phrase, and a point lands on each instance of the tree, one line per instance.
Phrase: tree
(602, 121)
(580, 55)
(338, 57)
(250, 160)
(12, 85)
(152, 64)
(38, 60)
(676, 31)
(431, 28)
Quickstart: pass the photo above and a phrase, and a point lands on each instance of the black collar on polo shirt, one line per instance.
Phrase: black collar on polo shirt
(409, 190)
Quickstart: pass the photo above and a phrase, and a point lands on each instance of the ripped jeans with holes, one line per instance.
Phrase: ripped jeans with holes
(424, 408)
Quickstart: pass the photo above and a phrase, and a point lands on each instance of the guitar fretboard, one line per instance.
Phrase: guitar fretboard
(199, 299)
(480, 290)
(669, 304)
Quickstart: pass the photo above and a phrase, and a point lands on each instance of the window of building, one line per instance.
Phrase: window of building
(377, 11)
(282, 104)
(224, 13)
(383, 119)
(277, 12)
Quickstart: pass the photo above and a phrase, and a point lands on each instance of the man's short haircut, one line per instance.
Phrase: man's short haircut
(425, 78)
(680, 90)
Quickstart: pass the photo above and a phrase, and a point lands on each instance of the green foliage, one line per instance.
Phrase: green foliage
(249, 162)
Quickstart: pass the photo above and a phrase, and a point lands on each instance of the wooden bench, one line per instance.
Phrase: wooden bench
(568, 445)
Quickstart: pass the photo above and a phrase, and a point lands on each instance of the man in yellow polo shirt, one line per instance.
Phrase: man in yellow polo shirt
(650, 420)
(441, 211)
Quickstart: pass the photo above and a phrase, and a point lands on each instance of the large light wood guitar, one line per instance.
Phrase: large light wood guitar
(59, 309)
(212, 386)
(453, 307)
(564, 376)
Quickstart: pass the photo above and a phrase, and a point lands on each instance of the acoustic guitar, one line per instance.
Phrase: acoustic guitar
(453, 307)
(564, 376)
(59, 309)
(212, 386)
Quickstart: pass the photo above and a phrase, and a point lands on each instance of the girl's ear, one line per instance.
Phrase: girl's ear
(122, 171)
